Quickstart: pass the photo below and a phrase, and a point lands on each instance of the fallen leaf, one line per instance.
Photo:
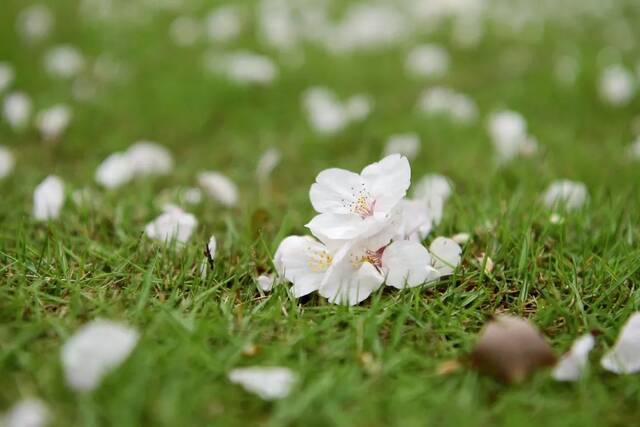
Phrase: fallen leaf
(511, 348)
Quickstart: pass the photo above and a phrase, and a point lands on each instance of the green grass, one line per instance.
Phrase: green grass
(370, 365)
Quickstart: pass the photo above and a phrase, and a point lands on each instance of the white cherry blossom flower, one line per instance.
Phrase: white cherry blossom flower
(52, 122)
(96, 349)
(28, 412)
(565, 193)
(508, 131)
(617, 85)
(407, 264)
(269, 383)
(7, 162)
(173, 224)
(624, 357)
(7, 74)
(406, 144)
(267, 163)
(17, 109)
(224, 23)
(428, 60)
(417, 218)
(48, 199)
(219, 188)
(446, 255)
(572, 365)
(352, 205)
(63, 61)
(35, 22)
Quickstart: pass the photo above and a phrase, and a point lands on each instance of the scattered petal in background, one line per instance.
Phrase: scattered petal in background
(572, 365)
(565, 193)
(624, 357)
(28, 412)
(17, 109)
(219, 188)
(48, 199)
(265, 282)
(406, 144)
(53, 121)
(267, 163)
(269, 383)
(96, 349)
(617, 85)
(173, 224)
(428, 60)
(7, 162)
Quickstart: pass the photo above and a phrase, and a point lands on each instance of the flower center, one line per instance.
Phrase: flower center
(319, 261)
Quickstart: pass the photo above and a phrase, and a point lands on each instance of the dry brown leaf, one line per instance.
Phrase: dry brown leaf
(510, 348)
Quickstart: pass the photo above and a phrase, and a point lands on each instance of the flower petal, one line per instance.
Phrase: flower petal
(346, 285)
(335, 191)
(94, 350)
(407, 264)
(572, 364)
(269, 383)
(48, 199)
(219, 188)
(624, 357)
(303, 261)
(388, 181)
(446, 255)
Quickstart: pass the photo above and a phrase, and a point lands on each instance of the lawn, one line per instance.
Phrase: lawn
(373, 364)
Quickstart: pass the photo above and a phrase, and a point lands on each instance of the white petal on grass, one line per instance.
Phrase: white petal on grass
(407, 144)
(96, 349)
(446, 255)
(325, 112)
(7, 74)
(269, 383)
(508, 132)
(267, 163)
(634, 149)
(28, 412)
(48, 199)
(219, 188)
(407, 264)
(428, 60)
(185, 30)
(212, 247)
(7, 162)
(624, 357)
(242, 67)
(358, 107)
(35, 22)
(17, 109)
(149, 158)
(565, 193)
(445, 101)
(53, 121)
(114, 171)
(265, 282)
(571, 366)
(223, 24)
(63, 61)
(461, 238)
(192, 195)
(433, 185)
(617, 85)
(416, 219)
(172, 225)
